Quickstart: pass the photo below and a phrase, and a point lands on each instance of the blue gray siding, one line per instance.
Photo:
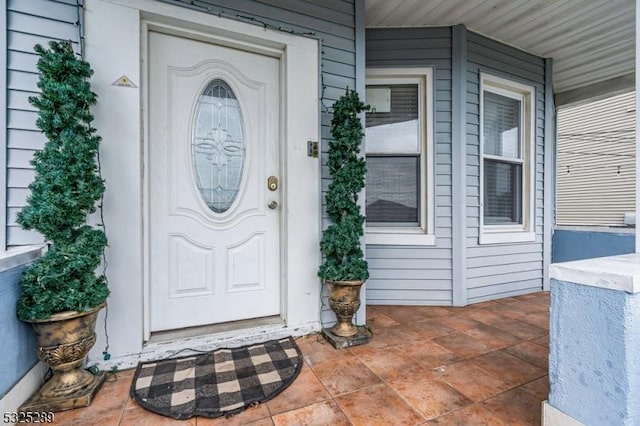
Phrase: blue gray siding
(28, 23)
(501, 270)
(429, 275)
(418, 275)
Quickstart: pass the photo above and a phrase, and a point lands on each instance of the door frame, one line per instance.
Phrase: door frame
(293, 53)
(177, 144)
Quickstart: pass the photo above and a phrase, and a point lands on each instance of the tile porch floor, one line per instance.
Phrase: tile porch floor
(485, 364)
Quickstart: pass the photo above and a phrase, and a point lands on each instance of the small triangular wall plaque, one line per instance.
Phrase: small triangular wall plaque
(123, 81)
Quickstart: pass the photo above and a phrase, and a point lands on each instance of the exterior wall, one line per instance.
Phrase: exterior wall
(577, 244)
(28, 23)
(117, 113)
(333, 23)
(39, 21)
(502, 270)
(418, 275)
(18, 354)
(596, 162)
(426, 274)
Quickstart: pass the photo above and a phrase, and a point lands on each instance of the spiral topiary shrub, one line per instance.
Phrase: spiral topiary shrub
(340, 244)
(66, 189)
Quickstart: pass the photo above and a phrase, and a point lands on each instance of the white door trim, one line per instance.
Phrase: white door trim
(118, 118)
(302, 177)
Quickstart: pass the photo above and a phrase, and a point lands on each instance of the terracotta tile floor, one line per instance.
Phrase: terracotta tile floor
(485, 364)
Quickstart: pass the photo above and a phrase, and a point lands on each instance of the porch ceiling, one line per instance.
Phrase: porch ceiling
(592, 42)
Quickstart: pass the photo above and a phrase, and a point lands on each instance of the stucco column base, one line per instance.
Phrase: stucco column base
(594, 340)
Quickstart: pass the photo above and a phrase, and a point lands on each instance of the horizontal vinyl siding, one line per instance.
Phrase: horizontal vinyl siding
(596, 162)
(501, 270)
(418, 275)
(28, 23)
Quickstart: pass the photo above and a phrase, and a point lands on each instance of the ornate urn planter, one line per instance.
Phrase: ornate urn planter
(63, 341)
(344, 300)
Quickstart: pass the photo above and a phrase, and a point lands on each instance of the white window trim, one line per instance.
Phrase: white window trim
(496, 234)
(424, 234)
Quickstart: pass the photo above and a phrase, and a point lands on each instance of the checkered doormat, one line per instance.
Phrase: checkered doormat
(217, 383)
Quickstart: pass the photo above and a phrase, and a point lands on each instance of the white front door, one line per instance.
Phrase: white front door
(214, 243)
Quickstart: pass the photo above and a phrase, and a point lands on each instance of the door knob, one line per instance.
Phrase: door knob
(272, 204)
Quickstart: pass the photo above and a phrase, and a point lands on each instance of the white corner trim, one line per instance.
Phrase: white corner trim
(620, 273)
(399, 237)
(551, 416)
(19, 256)
(506, 237)
(22, 390)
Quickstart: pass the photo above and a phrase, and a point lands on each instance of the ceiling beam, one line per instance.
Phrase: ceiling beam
(603, 89)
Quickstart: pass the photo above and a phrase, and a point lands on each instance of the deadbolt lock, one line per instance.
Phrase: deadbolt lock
(272, 183)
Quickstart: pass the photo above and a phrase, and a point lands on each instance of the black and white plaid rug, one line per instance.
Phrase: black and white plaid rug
(217, 383)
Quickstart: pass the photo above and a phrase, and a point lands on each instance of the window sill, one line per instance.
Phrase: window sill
(507, 237)
(399, 237)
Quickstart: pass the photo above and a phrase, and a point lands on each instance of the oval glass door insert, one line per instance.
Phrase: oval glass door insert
(218, 146)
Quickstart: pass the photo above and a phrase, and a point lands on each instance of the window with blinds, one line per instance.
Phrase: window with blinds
(393, 150)
(507, 154)
(399, 146)
(502, 148)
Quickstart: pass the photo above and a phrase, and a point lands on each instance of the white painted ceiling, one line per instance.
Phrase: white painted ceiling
(591, 41)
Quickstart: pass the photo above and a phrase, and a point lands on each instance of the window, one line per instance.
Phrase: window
(507, 151)
(399, 151)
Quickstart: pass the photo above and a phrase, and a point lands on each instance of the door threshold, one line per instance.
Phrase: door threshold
(205, 330)
(187, 346)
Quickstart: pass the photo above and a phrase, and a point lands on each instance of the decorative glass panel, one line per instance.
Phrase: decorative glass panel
(393, 188)
(218, 146)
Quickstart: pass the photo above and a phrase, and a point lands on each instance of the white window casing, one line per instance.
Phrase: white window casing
(522, 230)
(422, 233)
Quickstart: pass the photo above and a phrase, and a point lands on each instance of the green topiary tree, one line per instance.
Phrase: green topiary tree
(66, 189)
(344, 260)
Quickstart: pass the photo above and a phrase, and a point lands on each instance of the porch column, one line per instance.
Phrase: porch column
(594, 342)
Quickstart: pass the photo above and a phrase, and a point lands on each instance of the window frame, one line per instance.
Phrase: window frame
(424, 232)
(526, 94)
